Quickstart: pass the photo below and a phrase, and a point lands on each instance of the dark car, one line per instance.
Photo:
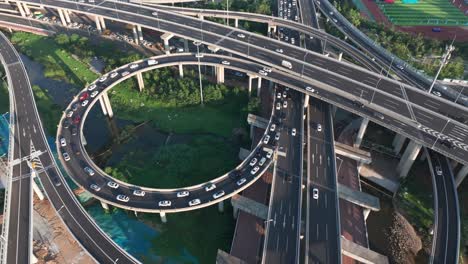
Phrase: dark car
(55, 179)
(75, 107)
(358, 104)
(77, 119)
(234, 174)
(74, 130)
(66, 123)
(436, 29)
(447, 143)
(75, 149)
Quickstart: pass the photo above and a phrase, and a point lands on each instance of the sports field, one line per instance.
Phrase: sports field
(424, 13)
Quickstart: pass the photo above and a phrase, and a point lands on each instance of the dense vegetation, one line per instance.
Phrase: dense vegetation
(4, 106)
(424, 54)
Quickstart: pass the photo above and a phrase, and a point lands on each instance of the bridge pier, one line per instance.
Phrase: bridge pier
(271, 28)
(259, 83)
(21, 10)
(105, 206)
(98, 24)
(408, 158)
(66, 13)
(166, 37)
(186, 48)
(366, 213)
(362, 130)
(306, 101)
(140, 33)
(236, 22)
(27, 11)
(181, 70)
(398, 143)
(135, 34)
(141, 83)
(219, 74)
(340, 56)
(106, 105)
(36, 188)
(83, 139)
(201, 17)
(103, 23)
(62, 17)
(221, 206)
(461, 175)
(163, 217)
(251, 131)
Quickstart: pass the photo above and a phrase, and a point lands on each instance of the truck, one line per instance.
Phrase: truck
(286, 64)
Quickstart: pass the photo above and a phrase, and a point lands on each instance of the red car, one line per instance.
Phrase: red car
(84, 96)
(77, 119)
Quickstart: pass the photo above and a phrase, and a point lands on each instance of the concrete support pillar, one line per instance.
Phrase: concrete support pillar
(235, 212)
(105, 206)
(36, 188)
(340, 56)
(186, 48)
(163, 217)
(62, 17)
(27, 11)
(221, 206)
(141, 83)
(110, 113)
(140, 33)
(103, 105)
(250, 84)
(259, 86)
(366, 213)
(423, 156)
(360, 134)
(135, 35)
(334, 108)
(166, 46)
(236, 22)
(98, 24)
(409, 156)
(181, 71)
(461, 175)
(83, 139)
(136, 213)
(21, 9)
(252, 131)
(103, 23)
(306, 101)
(398, 143)
(219, 74)
(66, 13)
(271, 28)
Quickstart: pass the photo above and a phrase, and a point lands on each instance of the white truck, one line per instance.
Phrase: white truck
(286, 64)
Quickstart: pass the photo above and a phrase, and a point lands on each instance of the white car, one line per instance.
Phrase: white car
(278, 106)
(113, 185)
(285, 94)
(285, 104)
(277, 136)
(194, 202)
(133, 66)
(254, 170)
(262, 72)
(123, 198)
(218, 194)
(269, 154)
(241, 181)
(155, 13)
(310, 89)
(225, 62)
(266, 139)
(139, 193)
(103, 78)
(63, 142)
(84, 103)
(210, 187)
(253, 162)
(70, 114)
(266, 69)
(262, 161)
(66, 157)
(164, 203)
(240, 35)
(95, 187)
(89, 171)
(114, 74)
(199, 55)
(319, 127)
(93, 94)
(438, 170)
(279, 50)
(436, 93)
(125, 73)
(278, 95)
(272, 127)
(293, 132)
(315, 193)
(183, 194)
(152, 62)
(92, 87)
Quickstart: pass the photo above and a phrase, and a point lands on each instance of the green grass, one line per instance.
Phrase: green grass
(49, 111)
(426, 12)
(58, 63)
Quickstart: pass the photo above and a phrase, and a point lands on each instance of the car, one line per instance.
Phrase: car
(194, 202)
(74, 130)
(199, 55)
(114, 74)
(55, 179)
(183, 194)
(285, 94)
(254, 170)
(278, 95)
(210, 187)
(272, 127)
(331, 13)
(293, 41)
(63, 142)
(288, 178)
(152, 62)
(310, 89)
(93, 94)
(379, 115)
(319, 127)
(89, 171)
(278, 106)
(269, 154)
(139, 193)
(155, 13)
(437, 93)
(293, 132)
(75, 107)
(164, 203)
(438, 170)
(277, 136)
(241, 181)
(240, 35)
(95, 187)
(400, 66)
(77, 119)
(218, 194)
(113, 185)
(334, 20)
(315, 193)
(66, 157)
(66, 123)
(262, 72)
(447, 143)
(285, 104)
(92, 87)
(84, 103)
(123, 198)
(75, 149)
(266, 139)
(102, 79)
(84, 96)
(225, 62)
(125, 73)
(70, 113)
(133, 66)
(262, 161)
(279, 50)
(253, 162)
(358, 104)
(436, 29)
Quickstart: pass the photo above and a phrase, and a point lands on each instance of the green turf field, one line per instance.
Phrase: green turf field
(424, 13)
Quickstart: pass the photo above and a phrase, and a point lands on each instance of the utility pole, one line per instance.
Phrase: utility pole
(444, 61)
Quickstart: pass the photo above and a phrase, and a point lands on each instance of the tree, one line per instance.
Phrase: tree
(62, 39)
